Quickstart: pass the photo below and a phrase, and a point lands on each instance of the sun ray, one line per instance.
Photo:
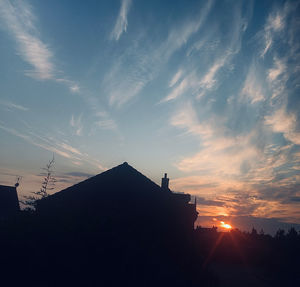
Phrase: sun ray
(212, 251)
(225, 225)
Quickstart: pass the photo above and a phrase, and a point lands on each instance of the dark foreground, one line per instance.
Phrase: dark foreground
(39, 251)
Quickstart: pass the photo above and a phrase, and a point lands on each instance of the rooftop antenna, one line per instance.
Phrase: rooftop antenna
(18, 179)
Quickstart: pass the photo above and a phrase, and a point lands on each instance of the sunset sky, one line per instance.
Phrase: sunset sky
(207, 91)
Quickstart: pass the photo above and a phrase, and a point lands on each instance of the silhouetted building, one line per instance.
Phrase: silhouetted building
(122, 195)
(9, 203)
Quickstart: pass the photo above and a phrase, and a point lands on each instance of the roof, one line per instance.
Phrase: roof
(122, 183)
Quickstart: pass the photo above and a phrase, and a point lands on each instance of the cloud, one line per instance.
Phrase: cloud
(239, 26)
(279, 69)
(185, 84)
(238, 164)
(208, 202)
(241, 160)
(139, 64)
(175, 78)
(209, 79)
(76, 124)
(74, 88)
(104, 121)
(129, 90)
(186, 118)
(72, 85)
(127, 77)
(197, 83)
(284, 123)
(252, 89)
(223, 156)
(55, 146)
(183, 32)
(121, 23)
(192, 84)
(12, 106)
(34, 141)
(70, 148)
(21, 23)
(236, 198)
(278, 76)
(80, 174)
(274, 25)
(107, 124)
(67, 179)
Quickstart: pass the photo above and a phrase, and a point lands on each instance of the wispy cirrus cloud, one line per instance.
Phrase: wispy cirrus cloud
(176, 78)
(72, 85)
(59, 147)
(208, 80)
(239, 26)
(196, 83)
(238, 165)
(274, 25)
(36, 141)
(140, 64)
(13, 106)
(186, 118)
(278, 69)
(237, 123)
(106, 124)
(21, 23)
(282, 122)
(220, 154)
(187, 83)
(122, 22)
(180, 35)
(69, 148)
(75, 122)
(252, 90)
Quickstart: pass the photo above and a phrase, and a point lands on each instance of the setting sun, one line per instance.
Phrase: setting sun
(225, 225)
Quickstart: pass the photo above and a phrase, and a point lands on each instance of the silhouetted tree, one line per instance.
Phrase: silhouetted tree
(280, 234)
(49, 180)
(292, 233)
(253, 232)
(47, 184)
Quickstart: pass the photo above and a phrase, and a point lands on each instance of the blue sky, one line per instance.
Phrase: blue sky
(207, 91)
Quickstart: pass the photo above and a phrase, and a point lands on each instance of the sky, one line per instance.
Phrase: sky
(207, 91)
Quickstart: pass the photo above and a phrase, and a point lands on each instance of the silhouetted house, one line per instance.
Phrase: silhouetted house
(123, 196)
(9, 203)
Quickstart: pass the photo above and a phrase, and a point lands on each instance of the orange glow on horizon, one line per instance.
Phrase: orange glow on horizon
(225, 225)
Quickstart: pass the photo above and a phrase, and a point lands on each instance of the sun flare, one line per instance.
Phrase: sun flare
(225, 225)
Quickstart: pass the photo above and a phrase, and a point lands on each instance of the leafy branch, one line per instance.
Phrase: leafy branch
(47, 184)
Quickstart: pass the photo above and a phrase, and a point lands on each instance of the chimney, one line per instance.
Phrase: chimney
(165, 183)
